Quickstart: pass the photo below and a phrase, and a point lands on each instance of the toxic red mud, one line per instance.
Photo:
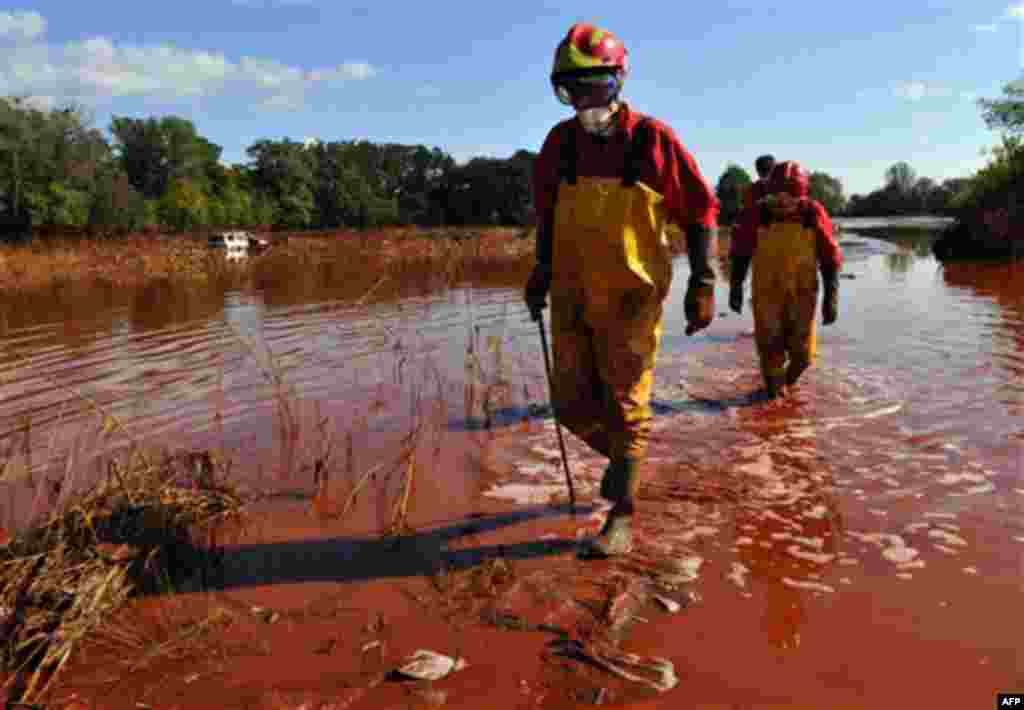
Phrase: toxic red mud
(858, 545)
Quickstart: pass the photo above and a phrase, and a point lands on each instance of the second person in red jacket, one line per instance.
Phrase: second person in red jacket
(788, 238)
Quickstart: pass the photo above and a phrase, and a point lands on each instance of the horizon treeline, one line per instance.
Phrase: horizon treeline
(160, 174)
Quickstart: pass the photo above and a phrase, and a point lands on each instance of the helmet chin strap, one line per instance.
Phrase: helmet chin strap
(598, 121)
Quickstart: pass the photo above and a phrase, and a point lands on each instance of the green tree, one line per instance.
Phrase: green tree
(184, 206)
(115, 203)
(828, 191)
(153, 152)
(900, 178)
(731, 189)
(49, 162)
(999, 183)
(283, 171)
(1006, 113)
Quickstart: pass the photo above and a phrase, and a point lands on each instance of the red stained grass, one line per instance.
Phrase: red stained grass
(137, 259)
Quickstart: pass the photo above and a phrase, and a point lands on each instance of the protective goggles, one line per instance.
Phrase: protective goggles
(587, 91)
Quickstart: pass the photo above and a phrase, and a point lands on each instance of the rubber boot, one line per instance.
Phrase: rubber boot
(793, 372)
(775, 386)
(616, 537)
(619, 480)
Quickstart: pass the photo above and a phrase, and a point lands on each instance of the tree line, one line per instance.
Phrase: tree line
(902, 193)
(997, 187)
(160, 173)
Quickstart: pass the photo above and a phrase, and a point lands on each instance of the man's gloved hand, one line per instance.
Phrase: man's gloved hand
(537, 290)
(736, 297)
(830, 302)
(700, 293)
(699, 306)
(739, 265)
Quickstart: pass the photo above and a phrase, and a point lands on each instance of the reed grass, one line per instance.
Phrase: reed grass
(140, 530)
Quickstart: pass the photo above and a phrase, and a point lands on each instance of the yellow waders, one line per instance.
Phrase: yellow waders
(785, 293)
(611, 271)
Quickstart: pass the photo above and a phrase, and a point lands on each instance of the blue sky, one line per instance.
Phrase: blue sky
(847, 88)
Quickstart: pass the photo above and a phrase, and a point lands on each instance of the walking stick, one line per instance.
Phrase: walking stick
(558, 424)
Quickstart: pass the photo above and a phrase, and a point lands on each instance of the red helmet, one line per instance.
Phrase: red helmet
(588, 50)
(790, 178)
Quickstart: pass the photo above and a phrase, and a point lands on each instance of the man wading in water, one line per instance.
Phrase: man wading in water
(605, 184)
(788, 238)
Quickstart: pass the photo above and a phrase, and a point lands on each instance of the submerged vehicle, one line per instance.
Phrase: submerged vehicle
(238, 241)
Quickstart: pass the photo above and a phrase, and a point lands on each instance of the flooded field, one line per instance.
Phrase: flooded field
(858, 545)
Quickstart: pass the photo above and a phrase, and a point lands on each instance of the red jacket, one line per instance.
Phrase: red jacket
(744, 235)
(757, 190)
(671, 171)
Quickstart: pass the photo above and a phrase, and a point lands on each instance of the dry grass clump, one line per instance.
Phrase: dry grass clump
(141, 530)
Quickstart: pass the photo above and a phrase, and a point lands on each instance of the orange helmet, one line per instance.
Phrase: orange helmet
(588, 50)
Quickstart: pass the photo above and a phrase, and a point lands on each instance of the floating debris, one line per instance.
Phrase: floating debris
(818, 512)
(738, 575)
(428, 665)
(672, 573)
(951, 479)
(970, 570)
(526, 494)
(817, 558)
(652, 671)
(804, 584)
(904, 576)
(975, 490)
(671, 605)
(947, 537)
(899, 555)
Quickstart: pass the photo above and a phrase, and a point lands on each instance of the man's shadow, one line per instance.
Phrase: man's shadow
(518, 415)
(344, 559)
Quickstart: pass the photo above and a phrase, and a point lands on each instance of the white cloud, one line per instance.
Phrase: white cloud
(349, 71)
(1016, 11)
(22, 24)
(985, 28)
(918, 90)
(98, 68)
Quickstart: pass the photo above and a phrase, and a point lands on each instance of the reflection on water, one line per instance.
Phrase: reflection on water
(899, 456)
